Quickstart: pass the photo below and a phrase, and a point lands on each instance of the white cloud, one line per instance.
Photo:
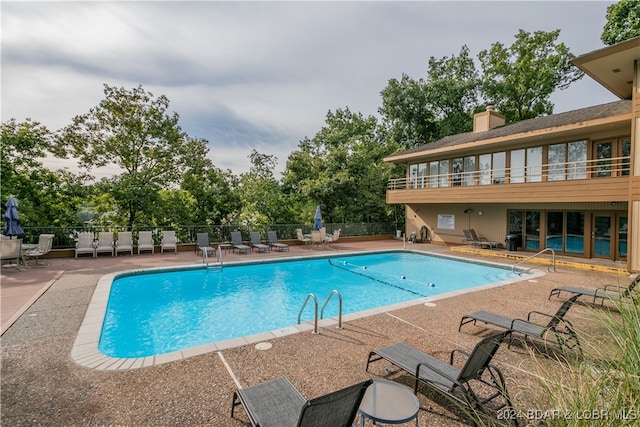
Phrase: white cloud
(258, 75)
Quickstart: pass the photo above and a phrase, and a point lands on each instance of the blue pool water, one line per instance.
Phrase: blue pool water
(160, 312)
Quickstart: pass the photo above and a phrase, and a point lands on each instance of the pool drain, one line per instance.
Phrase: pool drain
(263, 346)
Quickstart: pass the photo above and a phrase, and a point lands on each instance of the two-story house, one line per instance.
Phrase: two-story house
(569, 182)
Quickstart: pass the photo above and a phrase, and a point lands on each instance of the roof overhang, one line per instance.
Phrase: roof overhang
(612, 66)
(557, 133)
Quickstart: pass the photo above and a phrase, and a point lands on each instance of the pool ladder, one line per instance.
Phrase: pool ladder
(553, 261)
(315, 312)
(205, 257)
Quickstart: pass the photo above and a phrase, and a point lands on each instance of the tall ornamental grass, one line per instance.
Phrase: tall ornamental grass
(603, 388)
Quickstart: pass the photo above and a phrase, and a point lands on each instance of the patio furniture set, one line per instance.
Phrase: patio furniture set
(468, 379)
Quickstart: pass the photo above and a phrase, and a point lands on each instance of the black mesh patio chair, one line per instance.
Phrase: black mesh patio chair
(558, 326)
(278, 403)
(203, 245)
(236, 242)
(272, 236)
(478, 385)
(608, 292)
(256, 242)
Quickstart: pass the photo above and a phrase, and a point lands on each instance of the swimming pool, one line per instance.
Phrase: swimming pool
(162, 312)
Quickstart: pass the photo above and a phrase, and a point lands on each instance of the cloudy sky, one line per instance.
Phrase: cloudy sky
(261, 75)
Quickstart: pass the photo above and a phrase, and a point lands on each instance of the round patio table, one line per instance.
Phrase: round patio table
(388, 403)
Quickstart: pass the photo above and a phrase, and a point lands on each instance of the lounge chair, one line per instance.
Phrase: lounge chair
(203, 245)
(45, 243)
(479, 241)
(301, 237)
(85, 243)
(124, 242)
(236, 242)
(168, 241)
(105, 243)
(474, 385)
(272, 237)
(11, 251)
(468, 238)
(610, 292)
(257, 243)
(565, 336)
(277, 403)
(332, 238)
(145, 241)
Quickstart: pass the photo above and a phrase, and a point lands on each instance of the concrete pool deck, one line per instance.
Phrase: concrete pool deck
(42, 310)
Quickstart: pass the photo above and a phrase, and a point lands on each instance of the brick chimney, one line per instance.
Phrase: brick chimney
(488, 120)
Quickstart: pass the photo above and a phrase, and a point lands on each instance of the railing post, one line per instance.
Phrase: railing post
(339, 307)
(315, 302)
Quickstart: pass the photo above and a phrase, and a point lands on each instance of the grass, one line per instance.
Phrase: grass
(603, 387)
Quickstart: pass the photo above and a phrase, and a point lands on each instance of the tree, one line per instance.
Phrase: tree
(212, 190)
(623, 22)
(46, 197)
(406, 113)
(131, 130)
(453, 90)
(263, 201)
(519, 80)
(342, 170)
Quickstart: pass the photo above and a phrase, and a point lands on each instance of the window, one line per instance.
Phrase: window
(626, 152)
(457, 170)
(574, 241)
(516, 170)
(499, 167)
(469, 170)
(484, 169)
(422, 175)
(413, 176)
(577, 155)
(532, 230)
(515, 222)
(555, 230)
(557, 161)
(433, 174)
(534, 164)
(444, 173)
(623, 223)
(603, 153)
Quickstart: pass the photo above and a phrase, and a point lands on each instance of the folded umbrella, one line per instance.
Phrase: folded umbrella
(12, 226)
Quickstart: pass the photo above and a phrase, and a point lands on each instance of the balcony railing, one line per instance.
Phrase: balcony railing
(565, 171)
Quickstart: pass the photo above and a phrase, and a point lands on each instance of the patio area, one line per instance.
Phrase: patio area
(42, 309)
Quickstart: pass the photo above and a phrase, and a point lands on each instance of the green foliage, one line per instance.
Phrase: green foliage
(261, 196)
(342, 170)
(406, 113)
(45, 197)
(623, 22)
(130, 129)
(519, 80)
(453, 91)
(606, 381)
(213, 191)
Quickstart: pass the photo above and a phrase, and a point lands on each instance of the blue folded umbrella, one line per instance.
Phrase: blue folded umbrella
(12, 227)
(317, 222)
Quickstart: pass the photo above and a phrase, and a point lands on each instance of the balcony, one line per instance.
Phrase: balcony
(601, 180)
